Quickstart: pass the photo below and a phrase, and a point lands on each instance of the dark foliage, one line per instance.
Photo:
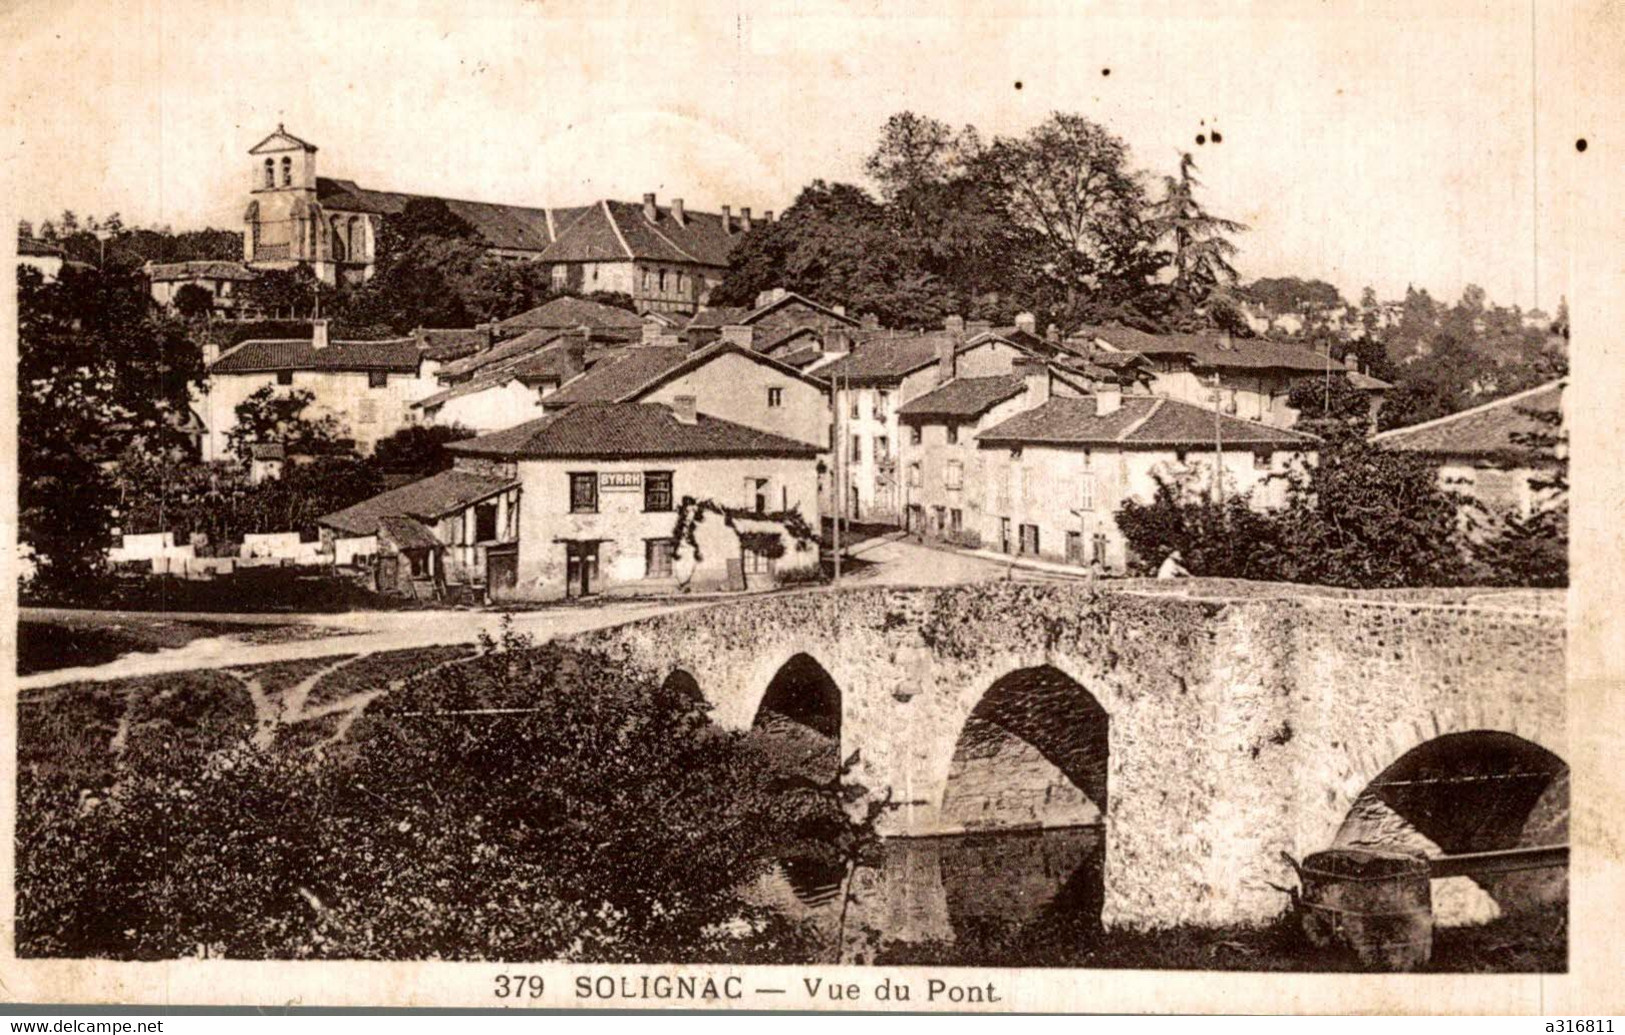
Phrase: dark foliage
(418, 450)
(98, 369)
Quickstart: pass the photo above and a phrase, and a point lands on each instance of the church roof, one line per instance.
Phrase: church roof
(517, 227)
(281, 140)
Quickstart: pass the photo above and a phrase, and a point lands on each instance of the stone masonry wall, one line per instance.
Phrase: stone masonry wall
(1238, 729)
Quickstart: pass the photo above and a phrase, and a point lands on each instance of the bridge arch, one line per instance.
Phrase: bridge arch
(681, 681)
(1471, 791)
(801, 709)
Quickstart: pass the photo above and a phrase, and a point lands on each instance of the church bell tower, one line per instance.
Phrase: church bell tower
(281, 221)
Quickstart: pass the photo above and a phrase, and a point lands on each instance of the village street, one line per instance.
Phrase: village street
(886, 560)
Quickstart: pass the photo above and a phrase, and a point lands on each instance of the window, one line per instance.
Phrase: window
(953, 434)
(1100, 548)
(561, 276)
(882, 400)
(1004, 535)
(287, 172)
(775, 397)
(882, 447)
(756, 494)
(939, 518)
(1074, 548)
(657, 490)
(270, 173)
(1261, 461)
(657, 556)
(855, 407)
(857, 449)
(757, 563)
(584, 493)
(914, 474)
(284, 377)
(914, 435)
(662, 281)
(1086, 491)
(956, 520)
(485, 522)
(953, 475)
(377, 379)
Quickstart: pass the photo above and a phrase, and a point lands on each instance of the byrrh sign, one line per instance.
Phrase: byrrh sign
(620, 481)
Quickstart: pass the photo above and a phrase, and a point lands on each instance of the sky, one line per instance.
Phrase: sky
(1362, 142)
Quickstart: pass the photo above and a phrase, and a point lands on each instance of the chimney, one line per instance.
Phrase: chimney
(653, 331)
(869, 322)
(767, 217)
(488, 333)
(1027, 323)
(727, 219)
(211, 354)
(682, 407)
(677, 212)
(739, 334)
(1108, 400)
(650, 213)
(1052, 334)
(769, 296)
(1351, 360)
(318, 334)
(1035, 374)
(948, 344)
(575, 352)
(975, 327)
(1226, 343)
(744, 218)
(838, 310)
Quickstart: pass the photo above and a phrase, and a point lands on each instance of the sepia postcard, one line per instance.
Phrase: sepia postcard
(823, 506)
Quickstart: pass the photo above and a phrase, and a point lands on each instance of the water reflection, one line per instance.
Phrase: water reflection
(964, 888)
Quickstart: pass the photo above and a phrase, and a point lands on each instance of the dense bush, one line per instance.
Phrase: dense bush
(529, 804)
(1360, 516)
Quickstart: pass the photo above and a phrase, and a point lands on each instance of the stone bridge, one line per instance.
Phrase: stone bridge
(1209, 730)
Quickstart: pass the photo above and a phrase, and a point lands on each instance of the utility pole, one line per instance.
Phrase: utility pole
(838, 496)
(1218, 443)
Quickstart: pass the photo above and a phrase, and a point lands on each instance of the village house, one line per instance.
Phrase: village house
(1254, 375)
(603, 485)
(222, 280)
(667, 258)
(886, 370)
(456, 529)
(939, 456)
(782, 322)
(1052, 477)
(568, 312)
(367, 386)
(1485, 453)
(596, 498)
(41, 255)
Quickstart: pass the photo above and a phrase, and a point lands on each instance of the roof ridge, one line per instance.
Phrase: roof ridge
(1558, 383)
(609, 215)
(1133, 426)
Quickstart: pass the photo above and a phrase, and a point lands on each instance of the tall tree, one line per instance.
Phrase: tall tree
(97, 370)
(1070, 181)
(1201, 248)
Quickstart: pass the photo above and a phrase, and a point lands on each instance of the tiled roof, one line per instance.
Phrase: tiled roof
(1366, 383)
(965, 397)
(396, 355)
(612, 379)
(572, 312)
(29, 246)
(1209, 350)
(517, 227)
(1140, 422)
(447, 344)
(431, 498)
(791, 296)
(513, 348)
(719, 316)
(774, 344)
(885, 359)
(617, 430)
(210, 269)
(408, 533)
(618, 230)
(549, 363)
(1483, 431)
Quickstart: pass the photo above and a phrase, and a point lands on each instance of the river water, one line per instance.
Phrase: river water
(964, 889)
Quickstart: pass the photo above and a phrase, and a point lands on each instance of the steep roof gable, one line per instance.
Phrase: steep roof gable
(281, 140)
(617, 430)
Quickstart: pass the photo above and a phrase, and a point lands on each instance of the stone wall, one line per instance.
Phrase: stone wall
(1234, 729)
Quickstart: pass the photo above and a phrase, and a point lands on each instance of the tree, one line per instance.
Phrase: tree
(1531, 550)
(419, 449)
(283, 293)
(271, 417)
(98, 370)
(194, 301)
(1329, 405)
(1069, 181)
(1201, 251)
